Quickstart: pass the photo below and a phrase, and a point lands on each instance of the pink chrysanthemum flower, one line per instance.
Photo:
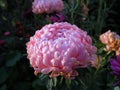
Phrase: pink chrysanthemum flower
(59, 49)
(47, 6)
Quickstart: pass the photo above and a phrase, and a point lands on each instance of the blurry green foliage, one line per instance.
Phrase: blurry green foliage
(116, 88)
(12, 58)
(3, 4)
(3, 75)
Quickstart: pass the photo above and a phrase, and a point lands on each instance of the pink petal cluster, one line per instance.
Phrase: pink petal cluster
(47, 6)
(59, 49)
(7, 33)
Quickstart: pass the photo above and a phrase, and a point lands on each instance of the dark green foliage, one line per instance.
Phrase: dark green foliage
(17, 18)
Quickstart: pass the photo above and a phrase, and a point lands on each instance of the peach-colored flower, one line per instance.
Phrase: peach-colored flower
(60, 48)
(47, 6)
(112, 41)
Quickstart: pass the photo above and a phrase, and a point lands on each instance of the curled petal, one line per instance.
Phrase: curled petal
(60, 49)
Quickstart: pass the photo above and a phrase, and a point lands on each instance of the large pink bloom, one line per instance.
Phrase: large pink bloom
(47, 6)
(59, 49)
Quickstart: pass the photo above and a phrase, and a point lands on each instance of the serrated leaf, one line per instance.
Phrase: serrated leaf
(12, 58)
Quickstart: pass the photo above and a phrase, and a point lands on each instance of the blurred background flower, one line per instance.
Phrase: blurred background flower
(47, 6)
(7, 33)
(59, 17)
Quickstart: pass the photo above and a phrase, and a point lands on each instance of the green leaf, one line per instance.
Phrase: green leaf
(38, 84)
(50, 84)
(3, 75)
(68, 83)
(4, 18)
(42, 81)
(116, 88)
(12, 58)
(3, 4)
(55, 81)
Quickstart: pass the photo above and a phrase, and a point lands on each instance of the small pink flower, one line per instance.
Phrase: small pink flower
(47, 6)
(59, 49)
(7, 33)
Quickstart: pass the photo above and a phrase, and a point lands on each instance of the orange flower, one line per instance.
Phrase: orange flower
(112, 41)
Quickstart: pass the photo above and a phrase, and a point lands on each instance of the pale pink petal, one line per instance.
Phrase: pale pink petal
(47, 6)
(60, 48)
